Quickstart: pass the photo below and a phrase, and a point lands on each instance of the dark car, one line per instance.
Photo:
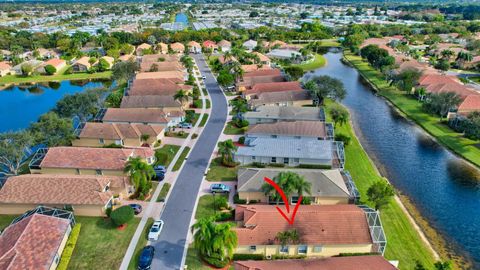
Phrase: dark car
(146, 257)
(160, 172)
(137, 208)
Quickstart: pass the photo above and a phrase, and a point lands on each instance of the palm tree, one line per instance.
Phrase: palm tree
(140, 173)
(181, 96)
(144, 137)
(214, 240)
(289, 182)
(288, 237)
(446, 54)
(203, 235)
(463, 57)
(226, 149)
(239, 106)
(237, 70)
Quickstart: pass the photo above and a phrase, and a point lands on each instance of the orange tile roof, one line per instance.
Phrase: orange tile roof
(470, 103)
(156, 87)
(5, 66)
(194, 44)
(177, 46)
(279, 97)
(118, 131)
(455, 87)
(136, 115)
(296, 128)
(32, 243)
(253, 67)
(263, 72)
(316, 224)
(177, 76)
(55, 62)
(150, 101)
(43, 189)
(372, 262)
(435, 79)
(259, 88)
(91, 158)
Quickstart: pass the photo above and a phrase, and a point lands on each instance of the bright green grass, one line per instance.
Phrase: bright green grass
(142, 242)
(181, 158)
(171, 150)
(413, 109)
(403, 242)
(5, 220)
(318, 61)
(231, 129)
(218, 172)
(60, 77)
(100, 245)
(205, 206)
(204, 120)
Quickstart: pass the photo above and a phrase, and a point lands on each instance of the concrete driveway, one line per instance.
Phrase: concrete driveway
(171, 246)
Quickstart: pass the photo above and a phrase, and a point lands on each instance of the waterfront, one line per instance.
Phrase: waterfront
(23, 104)
(443, 187)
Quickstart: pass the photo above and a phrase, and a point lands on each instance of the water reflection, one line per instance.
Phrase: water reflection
(464, 174)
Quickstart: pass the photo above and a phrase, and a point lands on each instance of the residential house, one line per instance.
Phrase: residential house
(86, 161)
(126, 57)
(175, 76)
(470, 104)
(284, 54)
(317, 130)
(324, 231)
(93, 134)
(82, 65)
(162, 48)
(35, 240)
(154, 58)
(260, 88)
(264, 60)
(58, 64)
(194, 47)
(161, 66)
(17, 70)
(249, 79)
(5, 68)
(275, 44)
(152, 116)
(327, 186)
(163, 87)
(250, 45)
(210, 45)
(177, 47)
(225, 61)
(363, 262)
(254, 67)
(224, 45)
(283, 98)
(48, 53)
(291, 152)
(142, 48)
(88, 195)
(272, 114)
(164, 102)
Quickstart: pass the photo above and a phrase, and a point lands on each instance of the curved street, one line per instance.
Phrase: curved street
(170, 247)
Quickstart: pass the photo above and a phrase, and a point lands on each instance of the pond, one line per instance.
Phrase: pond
(23, 104)
(442, 186)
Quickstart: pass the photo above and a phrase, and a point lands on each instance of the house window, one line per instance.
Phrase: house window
(149, 160)
(285, 160)
(274, 160)
(274, 136)
(254, 157)
(253, 248)
(98, 172)
(317, 249)
(77, 171)
(302, 249)
(297, 137)
(101, 141)
(56, 259)
(294, 199)
(283, 249)
(119, 142)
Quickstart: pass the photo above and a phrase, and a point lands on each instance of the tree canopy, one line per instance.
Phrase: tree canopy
(324, 86)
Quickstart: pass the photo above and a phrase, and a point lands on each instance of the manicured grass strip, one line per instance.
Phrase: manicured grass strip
(218, 172)
(142, 242)
(100, 244)
(164, 192)
(403, 241)
(69, 247)
(208, 104)
(231, 129)
(5, 220)
(165, 154)
(179, 134)
(195, 118)
(204, 120)
(318, 61)
(61, 77)
(180, 159)
(205, 206)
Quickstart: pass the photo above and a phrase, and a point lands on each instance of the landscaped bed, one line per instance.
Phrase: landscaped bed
(231, 129)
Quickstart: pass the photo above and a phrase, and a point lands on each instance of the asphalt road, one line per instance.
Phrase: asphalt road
(178, 212)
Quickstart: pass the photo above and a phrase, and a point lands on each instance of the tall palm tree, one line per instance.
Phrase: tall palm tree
(181, 96)
(463, 57)
(290, 183)
(446, 54)
(226, 149)
(140, 173)
(237, 70)
(214, 240)
(203, 235)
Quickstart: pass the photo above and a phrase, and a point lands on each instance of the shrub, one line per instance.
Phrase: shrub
(241, 140)
(161, 59)
(112, 145)
(277, 165)
(122, 215)
(108, 211)
(258, 165)
(197, 103)
(343, 138)
(237, 200)
(69, 247)
(194, 136)
(241, 123)
(314, 166)
(306, 200)
(223, 216)
(283, 257)
(217, 262)
(245, 257)
(221, 202)
(68, 71)
(50, 70)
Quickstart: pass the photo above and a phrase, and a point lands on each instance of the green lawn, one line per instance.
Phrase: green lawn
(318, 61)
(208, 104)
(181, 158)
(218, 172)
(193, 261)
(179, 134)
(141, 243)
(170, 151)
(413, 109)
(231, 129)
(5, 220)
(403, 242)
(100, 245)
(164, 192)
(205, 206)
(203, 122)
(61, 77)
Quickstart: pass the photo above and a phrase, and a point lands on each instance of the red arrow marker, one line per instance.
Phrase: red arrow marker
(285, 201)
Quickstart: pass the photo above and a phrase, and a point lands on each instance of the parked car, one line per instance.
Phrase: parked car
(203, 77)
(185, 125)
(155, 230)
(146, 257)
(137, 208)
(160, 172)
(219, 188)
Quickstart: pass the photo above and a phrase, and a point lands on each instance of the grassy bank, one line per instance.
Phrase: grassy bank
(403, 241)
(15, 79)
(317, 62)
(181, 158)
(413, 109)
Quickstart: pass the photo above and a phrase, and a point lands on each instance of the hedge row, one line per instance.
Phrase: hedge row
(69, 247)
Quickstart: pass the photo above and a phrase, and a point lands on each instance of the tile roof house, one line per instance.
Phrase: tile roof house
(327, 186)
(35, 242)
(260, 88)
(165, 102)
(285, 98)
(151, 58)
(58, 64)
(292, 130)
(209, 45)
(194, 47)
(291, 152)
(5, 68)
(94, 134)
(225, 45)
(161, 66)
(163, 87)
(264, 60)
(89, 195)
(259, 76)
(272, 114)
(250, 44)
(364, 262)
(254, 67)
(324, 230)
(283, 53)
(470, 104)
(85, 161)
(177, 47)
(224, 60)
(141, 48)
(82, 64)
(162, 48)
(151, 116)
(176, 76)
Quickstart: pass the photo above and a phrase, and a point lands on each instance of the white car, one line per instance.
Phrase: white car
(155, 230)
(204, 78)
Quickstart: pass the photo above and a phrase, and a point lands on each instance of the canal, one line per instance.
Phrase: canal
(442, 186)
(23, 104)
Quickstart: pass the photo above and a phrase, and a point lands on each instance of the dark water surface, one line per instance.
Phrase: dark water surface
(21, 105)
(443, 187)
